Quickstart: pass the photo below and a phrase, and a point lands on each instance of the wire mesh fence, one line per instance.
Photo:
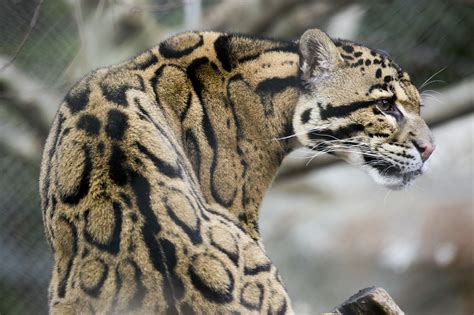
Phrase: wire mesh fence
(25, 259)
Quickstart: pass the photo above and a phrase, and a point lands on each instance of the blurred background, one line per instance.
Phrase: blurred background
(326, 225)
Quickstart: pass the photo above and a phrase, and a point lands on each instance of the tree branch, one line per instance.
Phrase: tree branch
(369, 301)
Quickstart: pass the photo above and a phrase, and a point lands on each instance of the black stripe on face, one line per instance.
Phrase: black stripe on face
(348, 48)
(384, 167)
(305, 117)
(340, 133)
(379, 134)
(343, 110)
(378, 73)
(347, 57)
(378, 87)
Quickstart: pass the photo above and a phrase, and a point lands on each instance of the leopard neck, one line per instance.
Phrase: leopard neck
(263, 126)
(234, 118)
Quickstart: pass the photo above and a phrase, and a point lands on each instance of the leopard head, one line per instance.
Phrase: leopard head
(359, 105)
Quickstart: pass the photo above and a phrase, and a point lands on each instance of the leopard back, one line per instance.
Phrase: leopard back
(149, 174)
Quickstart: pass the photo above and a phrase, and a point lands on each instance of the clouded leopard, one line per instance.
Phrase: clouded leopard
(155, 168)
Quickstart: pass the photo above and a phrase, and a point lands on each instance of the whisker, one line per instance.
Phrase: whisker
(434, 81)
(343, 149)
(431, 77)
(430, 91)
(291, 136)
(386, 196)
(433, 98)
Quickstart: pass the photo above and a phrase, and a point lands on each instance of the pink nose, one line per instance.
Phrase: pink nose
(425, 149)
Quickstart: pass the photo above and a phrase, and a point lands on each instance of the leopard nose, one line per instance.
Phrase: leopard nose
(425, 148)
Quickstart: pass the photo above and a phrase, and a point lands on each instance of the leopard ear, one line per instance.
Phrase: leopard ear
(319, 54)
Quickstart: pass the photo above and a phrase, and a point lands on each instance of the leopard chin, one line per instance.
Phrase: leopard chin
(394, 179)
(384, 172)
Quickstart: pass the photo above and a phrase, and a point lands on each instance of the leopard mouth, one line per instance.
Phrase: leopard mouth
(400, 181)
(390, 175)
(408, 177)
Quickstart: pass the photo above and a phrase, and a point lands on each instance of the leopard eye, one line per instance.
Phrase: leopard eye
(387, 106)
(384, 105)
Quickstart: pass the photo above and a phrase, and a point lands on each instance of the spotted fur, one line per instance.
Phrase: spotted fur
(154, 169)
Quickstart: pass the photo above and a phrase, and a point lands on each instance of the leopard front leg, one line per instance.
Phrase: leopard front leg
(232, 274)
